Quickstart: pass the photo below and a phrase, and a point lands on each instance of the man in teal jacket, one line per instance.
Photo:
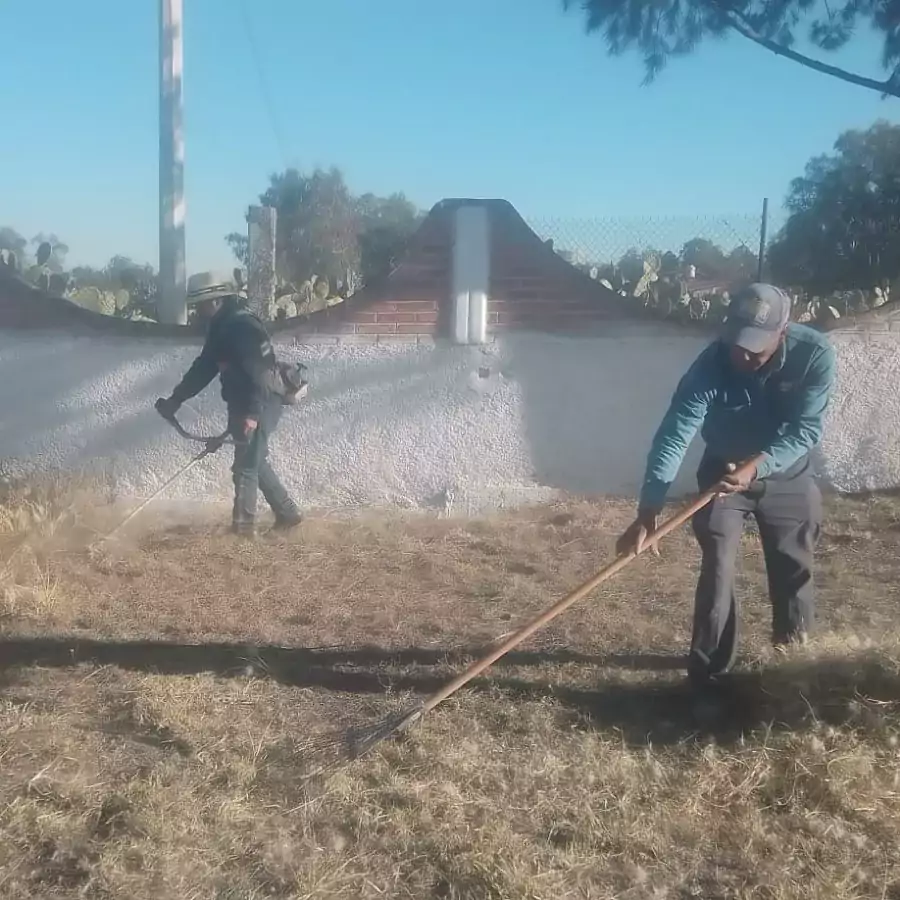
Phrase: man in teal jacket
(759, 395)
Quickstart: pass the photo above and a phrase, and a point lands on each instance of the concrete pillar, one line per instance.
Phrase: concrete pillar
(171, 307)
(262, 222)
(471, 274)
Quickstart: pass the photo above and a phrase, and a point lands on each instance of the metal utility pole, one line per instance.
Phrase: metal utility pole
(171, 306)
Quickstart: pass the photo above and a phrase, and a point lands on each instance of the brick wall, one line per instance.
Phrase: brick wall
(531, 288)
(412, 304)
(383, 320)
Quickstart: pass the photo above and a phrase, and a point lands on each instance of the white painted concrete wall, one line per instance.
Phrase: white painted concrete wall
(401, 424)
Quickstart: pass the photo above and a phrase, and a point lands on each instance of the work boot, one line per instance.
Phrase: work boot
(783, 643)
(702, 673)
(245, 530)
(287, 522)
(698, 670)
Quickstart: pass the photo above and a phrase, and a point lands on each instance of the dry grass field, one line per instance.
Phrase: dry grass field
(155, 698)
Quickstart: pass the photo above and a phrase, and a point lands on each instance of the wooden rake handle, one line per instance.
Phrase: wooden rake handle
(561, 605)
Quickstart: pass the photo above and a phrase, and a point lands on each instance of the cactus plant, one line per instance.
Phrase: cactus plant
(44, 252)
(284, 308)
(58, 283)
(103, 302)
(321, 288)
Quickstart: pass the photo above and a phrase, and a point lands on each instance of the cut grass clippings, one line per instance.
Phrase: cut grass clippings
(156, 702)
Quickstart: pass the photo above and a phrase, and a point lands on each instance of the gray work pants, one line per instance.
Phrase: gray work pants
(251, 471)
(788, 511)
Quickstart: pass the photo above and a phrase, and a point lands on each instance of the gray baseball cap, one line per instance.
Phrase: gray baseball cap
(756, 315)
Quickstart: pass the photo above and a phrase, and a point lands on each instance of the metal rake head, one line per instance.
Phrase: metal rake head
(325, 753)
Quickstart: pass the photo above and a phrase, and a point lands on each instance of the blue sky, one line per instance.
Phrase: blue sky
(483, 98)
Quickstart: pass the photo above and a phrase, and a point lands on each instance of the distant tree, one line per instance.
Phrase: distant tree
(631, 266)
(707, 257)
(316, 231)
(48, 258)
(843, 229)
(385, 225)
(324, 230)
(88, 276)
(56, 261)
(122, 273)
(610, 273)
(240, 246)
(660, 29)
(742, 264)
(12, 249)
(670, 264)
(13, 242)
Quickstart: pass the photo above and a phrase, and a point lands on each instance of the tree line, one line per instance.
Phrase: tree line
(329, 243)
(842, 233)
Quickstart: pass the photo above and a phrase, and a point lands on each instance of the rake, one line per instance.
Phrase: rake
(329, 751)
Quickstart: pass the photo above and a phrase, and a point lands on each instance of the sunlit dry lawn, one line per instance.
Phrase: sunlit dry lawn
(157, 696)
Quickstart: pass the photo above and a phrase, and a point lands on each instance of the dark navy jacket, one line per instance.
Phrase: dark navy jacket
(238, 348)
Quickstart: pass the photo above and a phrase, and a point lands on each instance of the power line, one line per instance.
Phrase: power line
(274, 121)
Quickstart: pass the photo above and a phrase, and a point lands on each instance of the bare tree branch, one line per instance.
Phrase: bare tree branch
(768, 23)
(742, 27)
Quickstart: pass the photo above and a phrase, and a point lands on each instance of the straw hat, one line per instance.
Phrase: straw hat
(210, 286)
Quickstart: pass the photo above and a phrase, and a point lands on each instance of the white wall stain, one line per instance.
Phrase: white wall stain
(403, 425)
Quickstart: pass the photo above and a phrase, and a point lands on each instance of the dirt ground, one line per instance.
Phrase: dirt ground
(157, 698)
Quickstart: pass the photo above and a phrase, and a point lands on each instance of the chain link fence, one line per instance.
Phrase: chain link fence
(676, 266)
(606, 241)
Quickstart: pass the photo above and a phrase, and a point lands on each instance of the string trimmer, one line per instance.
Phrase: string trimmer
(293, 387)
(211, 444)
(327, 752)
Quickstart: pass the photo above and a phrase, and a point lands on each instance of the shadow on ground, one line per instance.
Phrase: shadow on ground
(327, 667)
(658, 708)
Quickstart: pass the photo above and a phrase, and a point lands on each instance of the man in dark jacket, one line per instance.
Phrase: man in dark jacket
(239, 350)
(759, 395)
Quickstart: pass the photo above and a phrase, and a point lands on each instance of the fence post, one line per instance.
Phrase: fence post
(763, 228)
(261, 226)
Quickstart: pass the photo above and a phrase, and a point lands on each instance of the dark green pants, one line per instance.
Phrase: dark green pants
(251, 470)
(788, 512)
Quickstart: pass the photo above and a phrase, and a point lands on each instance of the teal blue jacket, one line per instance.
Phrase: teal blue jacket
(778, 411)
